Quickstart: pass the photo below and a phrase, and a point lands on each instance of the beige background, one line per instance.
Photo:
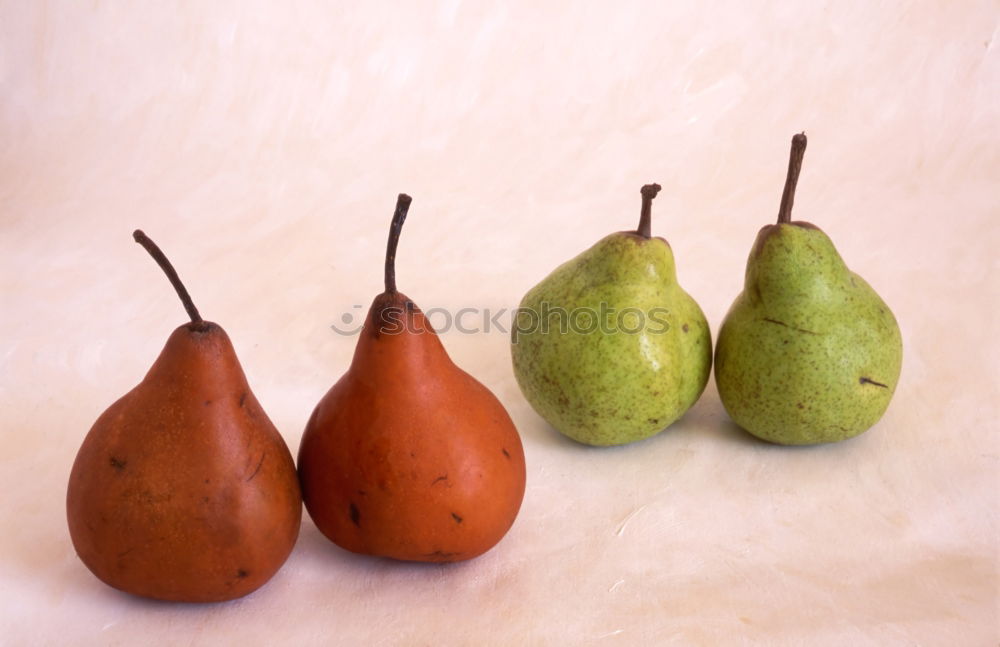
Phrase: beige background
(262, 145)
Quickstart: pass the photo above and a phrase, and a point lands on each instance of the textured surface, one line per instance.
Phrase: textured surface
(263, 149)
(183, 489)
(609, 349)
(407, 455)
(808, 353)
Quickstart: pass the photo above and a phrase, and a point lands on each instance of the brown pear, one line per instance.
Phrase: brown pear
(408, 456)
(183, 489)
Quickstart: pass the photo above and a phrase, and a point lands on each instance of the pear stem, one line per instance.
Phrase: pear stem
(648, 192)
(402, 206)
(792, 179)
(171, 273)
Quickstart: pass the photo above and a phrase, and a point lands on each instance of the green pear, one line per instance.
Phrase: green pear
(609, 348)
(808, 352)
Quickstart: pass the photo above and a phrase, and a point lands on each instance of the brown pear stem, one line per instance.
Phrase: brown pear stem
(792, 179)
(402, 206)
(645, 217)
(171, 273)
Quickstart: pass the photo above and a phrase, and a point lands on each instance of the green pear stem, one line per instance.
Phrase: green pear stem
(792, 179)
(171, 273)
(402, 206)
(648, 192)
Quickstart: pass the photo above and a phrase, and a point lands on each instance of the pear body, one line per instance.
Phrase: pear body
(408, 456)
(808, 353)
(634, 365)
(183, 489)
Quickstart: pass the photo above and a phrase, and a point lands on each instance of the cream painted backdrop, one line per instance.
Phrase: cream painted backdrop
(263, 143)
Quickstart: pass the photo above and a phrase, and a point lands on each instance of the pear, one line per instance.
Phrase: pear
(609, 348)
(183, 489)
(808, 352)
(408, 456)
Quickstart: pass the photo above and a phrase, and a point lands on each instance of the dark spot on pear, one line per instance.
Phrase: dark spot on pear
(457, 518)
(207, 480)
(243, 398)
(241, 573)
(204, 499)
(800, 405)
(782, 323)
(653, 421)
(443, 477)
(355, 515)
(118, 463)
(505, 452)
(362, 493)
(684, 327)
(440, 554)
(208, 402)
(257, 469)
(868, 380)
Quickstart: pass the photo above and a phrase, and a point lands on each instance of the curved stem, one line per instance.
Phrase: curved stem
(792, 179)
(168, 269)
(402, 206)
(645, 217)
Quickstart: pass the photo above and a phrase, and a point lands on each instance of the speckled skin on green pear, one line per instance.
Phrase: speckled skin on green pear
(808, 352)
(612, 388)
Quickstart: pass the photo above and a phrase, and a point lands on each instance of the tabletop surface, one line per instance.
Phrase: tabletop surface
(263, 148)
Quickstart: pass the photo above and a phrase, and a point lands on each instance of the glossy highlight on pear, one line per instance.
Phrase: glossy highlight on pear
(183, 490)
(808, 353)
(408, 456)
(609, 349)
